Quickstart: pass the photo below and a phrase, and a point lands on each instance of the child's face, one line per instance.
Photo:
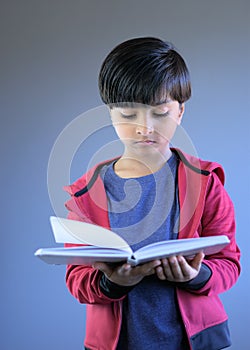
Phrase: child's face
(146, 130)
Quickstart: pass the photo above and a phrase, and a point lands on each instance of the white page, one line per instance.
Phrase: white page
(81, 255)
(186, 247)
(77, 232)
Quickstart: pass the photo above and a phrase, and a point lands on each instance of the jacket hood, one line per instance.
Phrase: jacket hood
(203, 167)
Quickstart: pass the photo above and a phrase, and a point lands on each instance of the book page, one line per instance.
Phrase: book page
(86, 255)
(77, 232)
(186, 247)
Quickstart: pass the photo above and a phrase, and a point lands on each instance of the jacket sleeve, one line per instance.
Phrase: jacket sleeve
(219, 219)
(83, 281)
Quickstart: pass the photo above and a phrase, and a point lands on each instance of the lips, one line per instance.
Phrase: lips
(146, 142)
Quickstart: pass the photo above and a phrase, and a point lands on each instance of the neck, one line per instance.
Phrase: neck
(131, 166)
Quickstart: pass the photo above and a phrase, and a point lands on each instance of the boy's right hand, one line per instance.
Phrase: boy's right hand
(126, 275)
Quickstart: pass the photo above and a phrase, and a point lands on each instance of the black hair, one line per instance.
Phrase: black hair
(144, 70)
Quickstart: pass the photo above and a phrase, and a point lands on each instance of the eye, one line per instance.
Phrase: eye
(128, 116)
(161, 114)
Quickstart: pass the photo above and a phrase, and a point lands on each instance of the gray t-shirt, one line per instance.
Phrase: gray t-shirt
(145, 210)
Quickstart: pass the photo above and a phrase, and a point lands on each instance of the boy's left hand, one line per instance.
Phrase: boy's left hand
(179, 269)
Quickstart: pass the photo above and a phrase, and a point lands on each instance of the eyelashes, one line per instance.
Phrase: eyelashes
(130, 116)
(160, 115)
(156, 115)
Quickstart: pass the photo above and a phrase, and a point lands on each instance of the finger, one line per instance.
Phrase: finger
(196, 262)
(175, 268)
(190, 268)
(160, 273)
(99, 265)
(167, 270)
(125, 270)
(153, 264)
(185, 266)
(147, 269)
(105, 268)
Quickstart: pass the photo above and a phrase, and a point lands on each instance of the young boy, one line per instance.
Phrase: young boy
(153, 192)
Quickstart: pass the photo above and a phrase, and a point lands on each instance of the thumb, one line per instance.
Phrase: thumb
(103, 267)
(197, 260)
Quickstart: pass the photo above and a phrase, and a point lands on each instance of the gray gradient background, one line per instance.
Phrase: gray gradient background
(51, 52)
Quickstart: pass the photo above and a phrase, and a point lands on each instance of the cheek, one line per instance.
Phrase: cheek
(124, 131)
(167, 129)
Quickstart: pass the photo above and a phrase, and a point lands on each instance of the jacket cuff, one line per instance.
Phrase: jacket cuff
(199, 281)
(113, 290)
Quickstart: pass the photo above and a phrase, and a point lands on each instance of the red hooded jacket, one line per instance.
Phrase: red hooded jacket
(205, 210)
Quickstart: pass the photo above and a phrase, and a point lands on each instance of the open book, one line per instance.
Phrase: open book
(101, 244)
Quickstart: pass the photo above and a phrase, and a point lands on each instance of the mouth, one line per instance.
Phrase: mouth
(147, 142)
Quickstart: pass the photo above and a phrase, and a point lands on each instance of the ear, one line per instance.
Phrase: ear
(181, 112)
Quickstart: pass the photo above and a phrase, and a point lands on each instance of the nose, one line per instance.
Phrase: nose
(144, 127)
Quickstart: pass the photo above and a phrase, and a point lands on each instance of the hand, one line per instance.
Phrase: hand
(126, 275)
(179, 269)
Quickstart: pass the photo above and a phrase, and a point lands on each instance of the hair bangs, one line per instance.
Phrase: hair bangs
(146, 71)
